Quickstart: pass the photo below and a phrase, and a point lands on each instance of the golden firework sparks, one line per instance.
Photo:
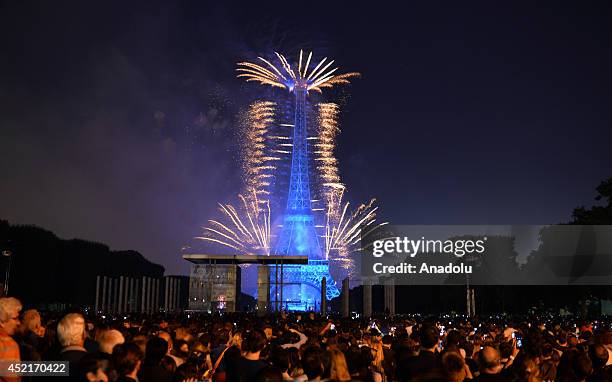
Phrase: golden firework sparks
(344, 229)
(322, 76)
(258, 163)
(246, 230)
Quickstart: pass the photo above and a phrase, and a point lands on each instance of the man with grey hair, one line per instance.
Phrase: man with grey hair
(71, 335)
(9, 321)
(108, 339)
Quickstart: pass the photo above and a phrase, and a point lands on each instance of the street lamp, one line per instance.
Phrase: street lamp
(9, 254)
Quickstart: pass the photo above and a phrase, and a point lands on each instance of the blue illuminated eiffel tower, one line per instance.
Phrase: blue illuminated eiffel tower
(298, 235)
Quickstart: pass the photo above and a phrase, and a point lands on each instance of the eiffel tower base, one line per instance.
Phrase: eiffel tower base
(299, 286)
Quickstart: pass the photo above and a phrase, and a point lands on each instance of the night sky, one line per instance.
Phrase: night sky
(118, 120)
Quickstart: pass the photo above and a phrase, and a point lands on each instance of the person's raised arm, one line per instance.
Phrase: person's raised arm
(325, 328)
(302, 341)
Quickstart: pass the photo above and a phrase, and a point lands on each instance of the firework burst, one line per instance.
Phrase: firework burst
(267, 145)
(344, 229)
(322, 76)
(259, 162)
(246, 229)
(325, 161)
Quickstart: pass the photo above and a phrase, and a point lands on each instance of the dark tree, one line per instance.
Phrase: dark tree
(597, 214)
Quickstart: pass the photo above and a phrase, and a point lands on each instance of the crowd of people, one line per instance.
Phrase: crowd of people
(300, 347)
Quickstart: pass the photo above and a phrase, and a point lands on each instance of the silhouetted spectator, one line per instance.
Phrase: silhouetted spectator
(250, 364)
(269, 374)
(426, 360)
(220, 342)
(312, 363)
(489, 363)
(279, 358)
(168, 338)
(151, 369)
(127, 360)
(30, 336)
(92, 368)
(455, 367)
